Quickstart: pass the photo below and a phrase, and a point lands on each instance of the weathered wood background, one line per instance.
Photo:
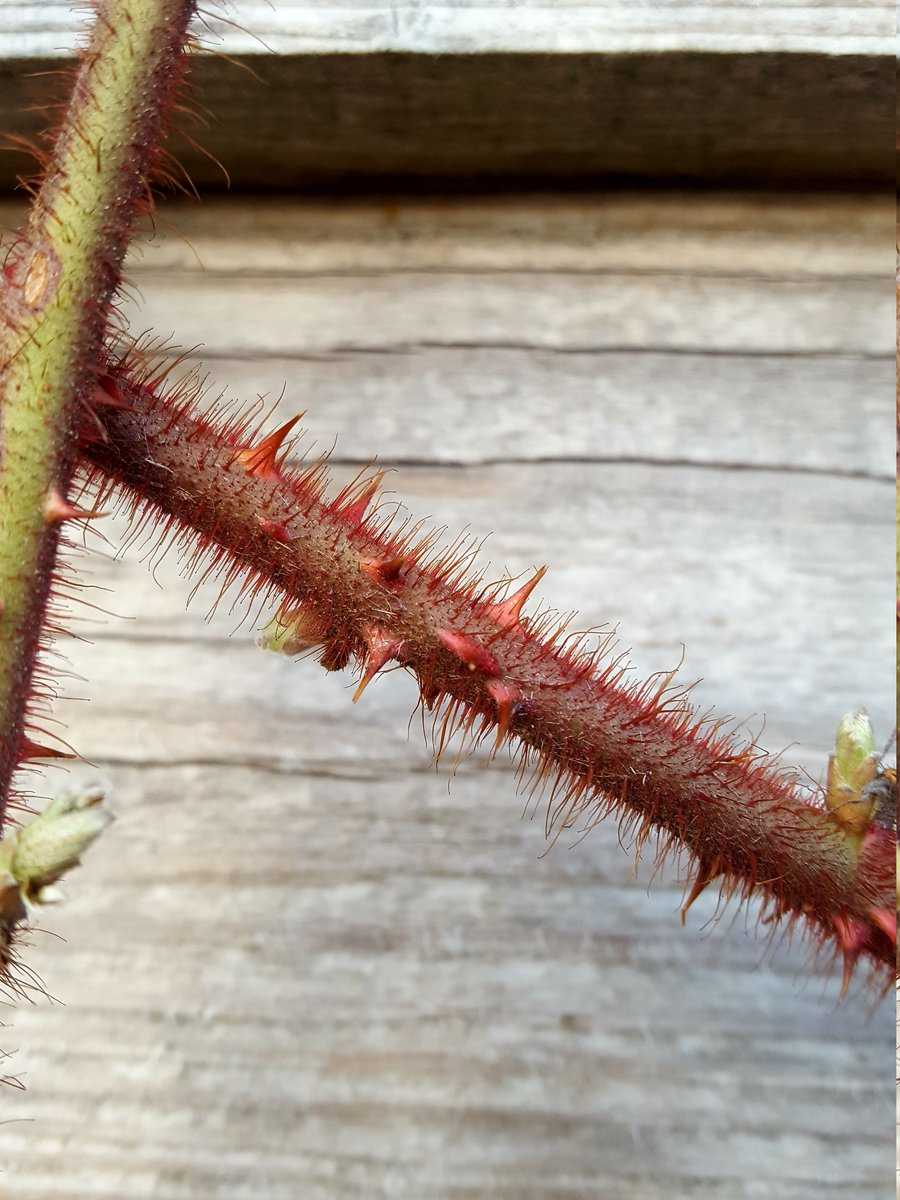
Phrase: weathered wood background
(561, 90)
(301, 964)
(35, 27)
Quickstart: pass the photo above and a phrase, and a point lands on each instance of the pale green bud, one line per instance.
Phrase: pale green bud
(851, 768)
(292, 631)
(854, 744)
(53, 843)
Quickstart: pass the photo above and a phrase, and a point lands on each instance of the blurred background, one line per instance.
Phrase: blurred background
(612, 283)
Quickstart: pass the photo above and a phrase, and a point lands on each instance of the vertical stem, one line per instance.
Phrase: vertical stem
(60, 278)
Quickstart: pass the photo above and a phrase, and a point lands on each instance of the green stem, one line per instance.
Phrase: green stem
(60, 277)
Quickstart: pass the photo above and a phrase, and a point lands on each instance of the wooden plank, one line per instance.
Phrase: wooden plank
(44, 27)
(275, 1011)
(726, 275)
(565, 91)
(677, 232)
(472, 405)
(301, 964)
(567, 311)
(433, 376)
(774, 285)
(806, 235)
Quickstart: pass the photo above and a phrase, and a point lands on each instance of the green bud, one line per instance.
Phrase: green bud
(53, 843)
(277, 637)
(851, 768)
(291, 631)
(854, 744)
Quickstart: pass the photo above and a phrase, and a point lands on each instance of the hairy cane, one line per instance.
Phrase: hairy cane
(356, 587)
(59, 280)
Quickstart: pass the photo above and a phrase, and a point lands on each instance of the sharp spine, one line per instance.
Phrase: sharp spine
(261, 460)
(504, 697)
(57, 509)
(383, 570)
(707, 871)
(470, 652)
(29, 750)
(886, 922)
(507, 613)
(274, 529)
(852, 936)
(381, 647)
(354, 511)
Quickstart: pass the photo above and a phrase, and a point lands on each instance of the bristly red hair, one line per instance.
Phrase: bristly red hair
(369, 589)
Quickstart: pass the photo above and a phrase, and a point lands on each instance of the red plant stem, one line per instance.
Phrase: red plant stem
(376, 594)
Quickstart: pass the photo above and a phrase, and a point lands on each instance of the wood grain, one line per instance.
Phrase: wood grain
(302, 964)
(321, 987)
(464, 26)
(590, 308)
(359, 93)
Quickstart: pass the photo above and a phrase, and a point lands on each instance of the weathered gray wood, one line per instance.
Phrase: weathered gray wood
(301, 965)
(742, 276)
(566, 312)
(795, 235)
(774, 287)
(437, 403)
(799, 284)
(301, 986)
(564, 91)
(28, 27)
(804, 234)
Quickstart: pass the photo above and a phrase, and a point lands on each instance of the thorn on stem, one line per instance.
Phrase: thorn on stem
(707, 871)
(30, 750)
(274, 529)
(470, 652)
(383, 571)
(57, 509)
(852, 936)
(108, 394)
(261, 460)
(380, 648)
(503, 696)
(354, 511)
(507, 612)
(886, 920)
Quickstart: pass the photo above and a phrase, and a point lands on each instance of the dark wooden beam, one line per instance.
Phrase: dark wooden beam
(323, 120)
